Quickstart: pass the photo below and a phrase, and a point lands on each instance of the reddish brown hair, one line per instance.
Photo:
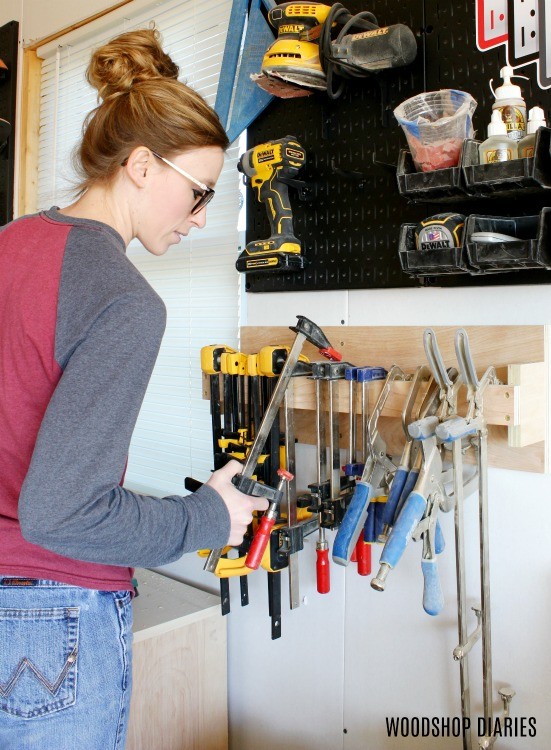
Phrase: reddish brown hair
(143, 104)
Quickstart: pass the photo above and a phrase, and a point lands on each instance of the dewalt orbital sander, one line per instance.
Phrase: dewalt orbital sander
(294, 56)
(270, 168)
(305, 54)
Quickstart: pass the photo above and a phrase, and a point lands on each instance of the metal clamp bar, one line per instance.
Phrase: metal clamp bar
(462, 650)
(273, 406)
(294, 593)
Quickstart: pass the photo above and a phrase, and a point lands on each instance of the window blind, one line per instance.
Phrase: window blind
(196, 278)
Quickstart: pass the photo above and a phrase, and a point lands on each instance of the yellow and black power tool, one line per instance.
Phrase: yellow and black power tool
(315, 44)
(270, 168)
(294, 56)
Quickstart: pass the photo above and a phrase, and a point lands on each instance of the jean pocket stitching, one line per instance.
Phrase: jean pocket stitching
(25, 663)
(66, 676)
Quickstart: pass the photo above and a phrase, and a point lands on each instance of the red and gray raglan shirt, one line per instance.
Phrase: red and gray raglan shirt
(80, 329)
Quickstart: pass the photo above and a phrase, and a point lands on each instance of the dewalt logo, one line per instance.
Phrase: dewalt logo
(369, 34)
(290, 28)
(267, 155)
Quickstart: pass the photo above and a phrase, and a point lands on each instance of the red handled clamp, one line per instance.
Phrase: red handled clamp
(262, 536)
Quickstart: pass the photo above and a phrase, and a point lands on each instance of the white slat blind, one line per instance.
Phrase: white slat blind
(197, 278)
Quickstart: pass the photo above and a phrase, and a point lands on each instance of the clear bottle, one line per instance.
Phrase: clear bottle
(498, 146)
(509, 101)
(536, 119)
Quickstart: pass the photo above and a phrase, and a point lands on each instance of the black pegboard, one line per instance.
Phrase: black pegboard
(350, 230)
(8, 82)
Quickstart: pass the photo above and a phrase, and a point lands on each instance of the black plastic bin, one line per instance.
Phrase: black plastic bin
(442, 185)
(533, 249)
(429, 262)
(528, 175)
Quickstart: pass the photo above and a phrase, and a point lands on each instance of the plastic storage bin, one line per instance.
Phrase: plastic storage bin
(429, 262)
(526, 175)
(442, 185)
(533, 249)
(473, 180)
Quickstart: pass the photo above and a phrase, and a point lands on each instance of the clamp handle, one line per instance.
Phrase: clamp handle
(352, 524)
(433, 598)
(402, 531)
(464, 358)
(409, 486)
(423, 428)
(394, 495)
(436, 362)
(454, 429)
(439, 541)
(260, 541)
(363, 556)
(262, 535)
(475, 385)
(323, 582)
(316, 336)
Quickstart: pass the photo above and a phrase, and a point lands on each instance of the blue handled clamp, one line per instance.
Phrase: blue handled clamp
(377, 467)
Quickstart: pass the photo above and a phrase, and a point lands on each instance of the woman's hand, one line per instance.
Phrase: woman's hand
(240, 506)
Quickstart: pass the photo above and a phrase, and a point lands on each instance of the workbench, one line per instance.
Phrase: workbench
(179, 697)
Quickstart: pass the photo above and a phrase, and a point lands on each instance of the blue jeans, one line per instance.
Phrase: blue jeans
(65, 666)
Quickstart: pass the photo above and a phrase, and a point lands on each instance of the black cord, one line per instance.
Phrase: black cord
(332, 66)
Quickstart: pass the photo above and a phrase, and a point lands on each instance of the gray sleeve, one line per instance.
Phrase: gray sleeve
(71, 501)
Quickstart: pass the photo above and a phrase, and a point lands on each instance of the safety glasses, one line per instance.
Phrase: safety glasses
(203, 198)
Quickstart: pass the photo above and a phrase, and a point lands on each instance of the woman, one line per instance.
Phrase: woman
(80, 330)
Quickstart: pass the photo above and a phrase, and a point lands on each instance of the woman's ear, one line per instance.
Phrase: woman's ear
(137, 165)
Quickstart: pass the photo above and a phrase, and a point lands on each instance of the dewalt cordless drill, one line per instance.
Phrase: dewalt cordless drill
(269, 168)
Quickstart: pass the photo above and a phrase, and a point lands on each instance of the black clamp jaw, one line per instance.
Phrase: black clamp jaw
(330, 512)
(257, 489)
(286, 540)
(329, 370)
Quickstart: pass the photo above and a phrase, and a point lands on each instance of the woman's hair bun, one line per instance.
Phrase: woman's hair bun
(127, 60)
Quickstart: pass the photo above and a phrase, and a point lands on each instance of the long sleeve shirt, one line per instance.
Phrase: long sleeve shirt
(80, 329)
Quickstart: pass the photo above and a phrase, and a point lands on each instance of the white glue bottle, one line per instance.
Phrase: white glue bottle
(536, 119)
(509, 101)
(498, 146)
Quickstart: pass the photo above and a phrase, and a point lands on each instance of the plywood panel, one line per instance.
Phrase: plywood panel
(179, 693)
(530, 407)
(179, 696)
(30, 126)
(505, 405)
(403, 345)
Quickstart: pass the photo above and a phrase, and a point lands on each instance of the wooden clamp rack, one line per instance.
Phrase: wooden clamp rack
(516, 411)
